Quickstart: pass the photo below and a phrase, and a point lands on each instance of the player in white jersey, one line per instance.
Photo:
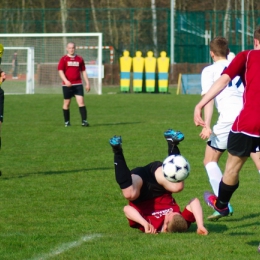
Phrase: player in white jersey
(229, 102)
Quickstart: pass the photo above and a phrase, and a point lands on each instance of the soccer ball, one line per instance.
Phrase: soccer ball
(175, 168)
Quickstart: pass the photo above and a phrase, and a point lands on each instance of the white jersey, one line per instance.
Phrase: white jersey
(229, 102)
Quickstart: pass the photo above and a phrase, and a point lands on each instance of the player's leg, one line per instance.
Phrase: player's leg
(173, 138)
(211, 159)
(239, 147)
(256, 159)
(130, 184)
(79, 95)
(67, 95)
(2, 98)
(216, 146)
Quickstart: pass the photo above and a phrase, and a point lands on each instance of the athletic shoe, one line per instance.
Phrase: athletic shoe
(115, 141)
(85, 123)
(67, 124)
(211, 199)
(216, 215)
(173, 137)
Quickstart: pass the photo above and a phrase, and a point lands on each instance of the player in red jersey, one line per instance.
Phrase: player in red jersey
(244, 136)
(151, 206)
(71, 67)
(162, 214)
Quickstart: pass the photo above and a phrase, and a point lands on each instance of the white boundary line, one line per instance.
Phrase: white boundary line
(65, 247)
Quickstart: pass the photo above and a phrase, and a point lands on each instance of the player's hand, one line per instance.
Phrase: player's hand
(202, 231)
(68, 83)
(198, 121)
(205, 133)
(149, 228)
(87, 87)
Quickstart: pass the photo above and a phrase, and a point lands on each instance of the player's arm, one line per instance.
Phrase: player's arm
(173, 187)
(64, 79)
(85, 77)
(194, 206)
(132, 214)
(218, 86)
(207, 80)
(208, 112)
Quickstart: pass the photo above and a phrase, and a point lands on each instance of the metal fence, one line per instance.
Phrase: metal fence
(133, 29)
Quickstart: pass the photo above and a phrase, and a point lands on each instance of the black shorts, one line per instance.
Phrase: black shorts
(151, 188)
(75, 90)
(242, 145)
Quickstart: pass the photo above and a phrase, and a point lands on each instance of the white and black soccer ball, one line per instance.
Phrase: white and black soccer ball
(175, 168)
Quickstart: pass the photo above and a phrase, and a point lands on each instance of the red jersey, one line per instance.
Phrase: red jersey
(72, 68)
(247, 65)
(154, 211)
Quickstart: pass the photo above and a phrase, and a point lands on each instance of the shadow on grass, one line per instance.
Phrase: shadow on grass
(53, 172)
(249, 216)
(116, 123)
(253, 243)
(211, 227)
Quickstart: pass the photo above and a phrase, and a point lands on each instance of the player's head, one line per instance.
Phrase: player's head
(219, 47)
(71, 46)
(231, 56)
(174, 222)
(2, 76)
(257, 38)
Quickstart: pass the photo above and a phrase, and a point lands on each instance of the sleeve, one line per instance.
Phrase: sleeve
(188, 216)
(61, 64)
(237, 65)
(82, 65)
(207, 79)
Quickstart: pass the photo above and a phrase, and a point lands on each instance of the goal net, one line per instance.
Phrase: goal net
(48, 48)
(20, 75)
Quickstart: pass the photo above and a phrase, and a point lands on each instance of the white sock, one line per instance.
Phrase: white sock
(215, 176)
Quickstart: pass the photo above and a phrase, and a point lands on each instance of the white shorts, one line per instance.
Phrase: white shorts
(218, 138)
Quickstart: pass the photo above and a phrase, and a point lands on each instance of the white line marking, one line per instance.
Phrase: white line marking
(65, 247)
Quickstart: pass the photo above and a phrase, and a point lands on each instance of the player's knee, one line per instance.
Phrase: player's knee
(66, 104)
(130, 194)
(205, 162)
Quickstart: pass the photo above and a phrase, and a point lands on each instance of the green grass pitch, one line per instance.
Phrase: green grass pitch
(59, 198)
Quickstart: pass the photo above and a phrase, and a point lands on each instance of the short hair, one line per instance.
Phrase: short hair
(219, 46)
(1, 71)
(257, 33)
(177, 224)
(71, 43)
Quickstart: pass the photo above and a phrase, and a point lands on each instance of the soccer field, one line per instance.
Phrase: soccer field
(59, 198)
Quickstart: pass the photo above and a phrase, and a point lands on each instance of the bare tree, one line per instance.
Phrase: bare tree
(94, 15)
(109, 22)
(64, 17)
(154, 18)
(227, 19)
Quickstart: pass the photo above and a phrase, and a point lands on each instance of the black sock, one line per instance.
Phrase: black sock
(66, 114)
(83, 113)
(122, 172)
(225, 193)
(173, 149)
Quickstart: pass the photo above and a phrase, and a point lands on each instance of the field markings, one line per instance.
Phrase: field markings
(65, 247)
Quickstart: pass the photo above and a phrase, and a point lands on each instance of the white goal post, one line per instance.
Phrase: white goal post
(29, 69)
(48, 49)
